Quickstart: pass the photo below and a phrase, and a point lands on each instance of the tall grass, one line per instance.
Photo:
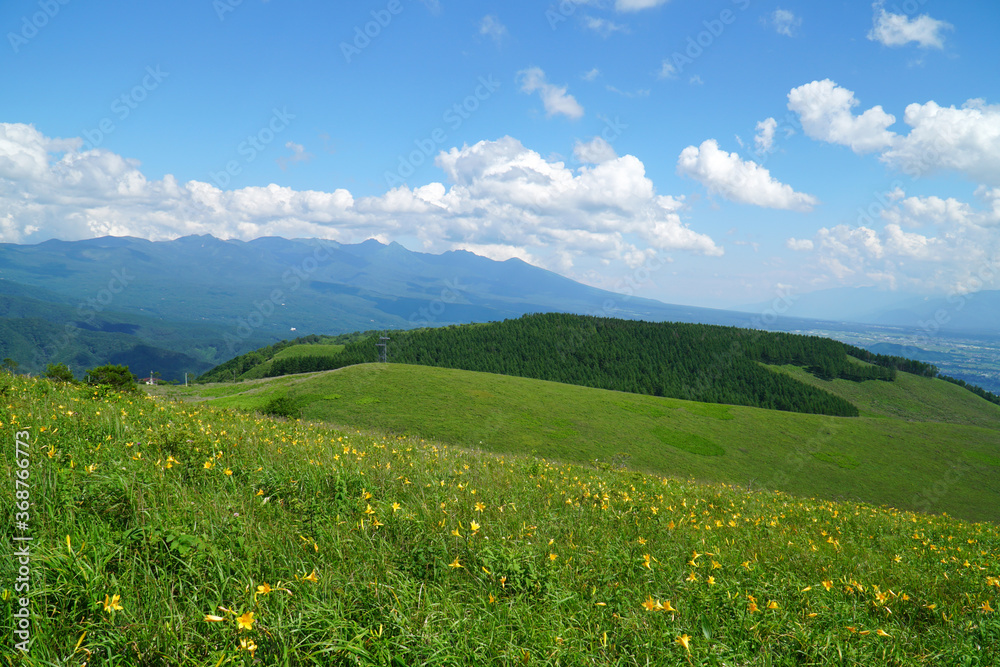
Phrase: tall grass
(236, 539)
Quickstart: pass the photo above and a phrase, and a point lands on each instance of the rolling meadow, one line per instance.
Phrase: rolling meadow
(173, 532)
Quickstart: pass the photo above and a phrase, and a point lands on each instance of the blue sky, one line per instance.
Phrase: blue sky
(719, 152)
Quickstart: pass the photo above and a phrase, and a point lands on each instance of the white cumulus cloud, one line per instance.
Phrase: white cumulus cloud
(738, 180)
(825, 111)
(785, 22)
(497, 197)
(491, 26)
(667, 70)
(898, 29)
(637, 5)
(555, 98)
(299, 154)
(956, 243)
(764, 139)
(595, 151)
(965, 139)
(604, 27)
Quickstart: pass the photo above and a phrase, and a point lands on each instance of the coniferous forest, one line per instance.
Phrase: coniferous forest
(690, 361)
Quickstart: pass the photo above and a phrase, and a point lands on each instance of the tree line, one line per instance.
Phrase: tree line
(697, 362)
(237, 366)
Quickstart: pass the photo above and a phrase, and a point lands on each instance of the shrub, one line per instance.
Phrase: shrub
(283, 406)
(59, 372)
(116, 377)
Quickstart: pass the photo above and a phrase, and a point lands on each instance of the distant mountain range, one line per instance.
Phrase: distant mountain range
(975, 312)
(190, 304)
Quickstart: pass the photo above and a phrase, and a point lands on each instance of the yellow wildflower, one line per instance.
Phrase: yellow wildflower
(248, 645)
(245, 622)
(111, 604)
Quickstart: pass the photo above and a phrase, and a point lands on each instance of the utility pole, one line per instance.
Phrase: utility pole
(185, 378)
(383, 345)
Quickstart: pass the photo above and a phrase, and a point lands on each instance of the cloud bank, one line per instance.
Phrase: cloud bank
(501, 198)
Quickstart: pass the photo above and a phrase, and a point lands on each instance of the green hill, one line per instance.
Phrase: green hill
(691, 361)
(920, 443)
(175, 534)
(293, 359)
(299, 355)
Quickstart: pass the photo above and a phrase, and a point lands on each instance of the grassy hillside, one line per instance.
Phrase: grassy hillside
(169, 533)
(259, 363)
(899, 453)
(698, 362)
(911, 398)
(295, 351)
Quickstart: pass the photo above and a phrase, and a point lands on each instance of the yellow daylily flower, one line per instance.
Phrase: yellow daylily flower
(111, 604)
(245, 622)
(248, 645)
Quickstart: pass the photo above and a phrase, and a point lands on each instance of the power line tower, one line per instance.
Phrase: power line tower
(383, 347)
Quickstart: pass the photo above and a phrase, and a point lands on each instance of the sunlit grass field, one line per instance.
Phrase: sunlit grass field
(177, 534)
(920, 444)
(292, 352)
